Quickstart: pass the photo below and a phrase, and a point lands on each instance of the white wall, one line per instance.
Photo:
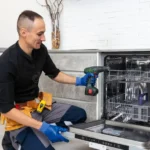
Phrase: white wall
(106, 24)
(87, 24)
(9, 12)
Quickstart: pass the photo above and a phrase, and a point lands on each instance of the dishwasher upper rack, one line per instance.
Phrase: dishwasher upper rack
(128, 76)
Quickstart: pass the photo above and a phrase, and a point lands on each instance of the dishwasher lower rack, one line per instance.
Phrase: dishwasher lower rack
(127, 95)
(127, 111)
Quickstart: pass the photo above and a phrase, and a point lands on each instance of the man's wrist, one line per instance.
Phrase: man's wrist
(78, 81)
(38, 125)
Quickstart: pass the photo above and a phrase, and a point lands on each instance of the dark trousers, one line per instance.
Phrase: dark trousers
(31, 139)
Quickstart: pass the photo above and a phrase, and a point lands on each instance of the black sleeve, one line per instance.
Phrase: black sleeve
(7, 85)
(49, 67)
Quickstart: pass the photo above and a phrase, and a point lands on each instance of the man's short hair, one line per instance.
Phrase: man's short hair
(26, 18)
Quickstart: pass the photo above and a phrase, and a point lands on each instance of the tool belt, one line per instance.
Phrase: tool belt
(27, 108)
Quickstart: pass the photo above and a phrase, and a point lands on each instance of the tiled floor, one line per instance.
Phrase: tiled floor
(74, 144)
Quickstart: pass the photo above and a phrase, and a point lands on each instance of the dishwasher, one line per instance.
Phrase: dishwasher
(125, 121)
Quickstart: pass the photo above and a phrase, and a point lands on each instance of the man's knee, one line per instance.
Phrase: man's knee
(75, 115)
(82, 114)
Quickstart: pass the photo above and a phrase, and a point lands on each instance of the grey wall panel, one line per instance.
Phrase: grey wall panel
(72, 64)
(74, 61)
(89, 107)
(64, 90)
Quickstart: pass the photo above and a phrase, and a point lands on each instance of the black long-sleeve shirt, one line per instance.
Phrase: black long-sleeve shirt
(19, 75)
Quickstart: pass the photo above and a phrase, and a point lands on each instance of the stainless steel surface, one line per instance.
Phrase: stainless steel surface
(127, 125)
(108, 138)
(100, 50)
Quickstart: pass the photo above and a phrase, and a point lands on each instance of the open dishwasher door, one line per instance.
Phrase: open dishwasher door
(126, 114)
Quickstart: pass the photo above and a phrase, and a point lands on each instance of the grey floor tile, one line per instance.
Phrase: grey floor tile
(72, 145)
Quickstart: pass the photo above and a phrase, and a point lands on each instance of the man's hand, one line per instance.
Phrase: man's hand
(53, 132)
(83, 80)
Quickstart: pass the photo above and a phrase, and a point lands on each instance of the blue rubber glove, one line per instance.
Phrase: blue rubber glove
(53, 132)
(83, 80)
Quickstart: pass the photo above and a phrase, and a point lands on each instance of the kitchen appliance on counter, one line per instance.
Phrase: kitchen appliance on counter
(125, 120)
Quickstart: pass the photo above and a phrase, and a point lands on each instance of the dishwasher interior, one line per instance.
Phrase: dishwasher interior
(127, 89)
(126, 112)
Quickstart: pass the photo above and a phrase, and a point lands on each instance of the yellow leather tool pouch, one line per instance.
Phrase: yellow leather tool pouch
(13, 125)
(2, 119)
(27, 108)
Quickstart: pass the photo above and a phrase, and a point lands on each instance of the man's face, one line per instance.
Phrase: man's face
(35, 35)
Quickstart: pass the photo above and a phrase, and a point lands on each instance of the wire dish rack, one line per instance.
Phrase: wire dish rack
(127, 95)
(128, 76)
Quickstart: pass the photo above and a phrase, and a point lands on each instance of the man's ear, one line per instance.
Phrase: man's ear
(23, 32)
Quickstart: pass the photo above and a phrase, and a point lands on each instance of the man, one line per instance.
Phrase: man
(20, 68)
